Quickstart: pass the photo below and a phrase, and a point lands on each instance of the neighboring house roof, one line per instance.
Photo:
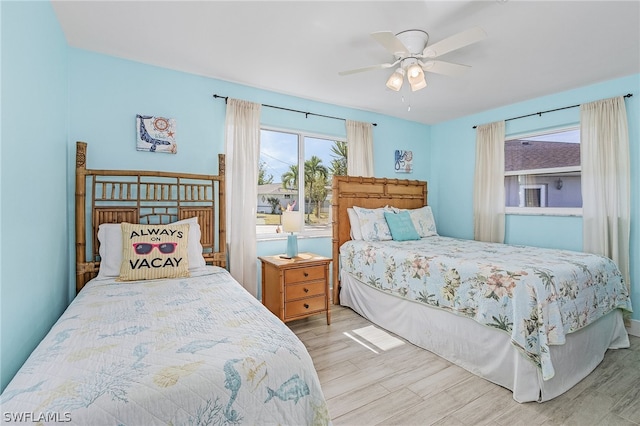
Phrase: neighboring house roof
(275, 189)
(528, 155)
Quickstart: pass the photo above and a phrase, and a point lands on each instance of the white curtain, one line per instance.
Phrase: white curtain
(604, 154)
(488, 190)
(242, 146)
(359, 148)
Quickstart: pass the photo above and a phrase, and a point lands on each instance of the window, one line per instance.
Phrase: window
(542, 173)
(280, 184)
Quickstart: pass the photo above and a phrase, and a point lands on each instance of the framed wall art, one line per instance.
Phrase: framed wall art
(156, 134)
(403, 161)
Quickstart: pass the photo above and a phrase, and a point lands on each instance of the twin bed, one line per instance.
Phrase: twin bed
(533, 320)
(191, 348)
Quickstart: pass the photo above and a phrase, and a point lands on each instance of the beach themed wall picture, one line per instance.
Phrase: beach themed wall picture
(156, 134)
(404, 161)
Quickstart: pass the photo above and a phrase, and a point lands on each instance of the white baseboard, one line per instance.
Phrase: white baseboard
(634, 328)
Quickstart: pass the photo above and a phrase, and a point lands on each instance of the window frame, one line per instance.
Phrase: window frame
(300, 202)
(543, 211)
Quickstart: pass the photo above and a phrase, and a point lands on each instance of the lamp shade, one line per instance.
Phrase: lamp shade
(291, 221)
(395, 80)
(415, 75)
(420, 84)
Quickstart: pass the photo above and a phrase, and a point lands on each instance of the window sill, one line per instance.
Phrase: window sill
(543, 211)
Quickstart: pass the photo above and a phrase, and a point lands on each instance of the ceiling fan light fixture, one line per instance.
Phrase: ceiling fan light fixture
(415, 75)
(414, 71)
(395, 80)
(410, 50)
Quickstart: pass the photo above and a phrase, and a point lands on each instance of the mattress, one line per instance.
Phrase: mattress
(198, 350)
(537, 296)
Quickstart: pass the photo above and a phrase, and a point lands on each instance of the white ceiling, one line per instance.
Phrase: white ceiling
(533, 48)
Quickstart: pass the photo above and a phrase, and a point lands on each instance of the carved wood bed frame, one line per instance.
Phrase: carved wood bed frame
(349, 191)
(134, 196)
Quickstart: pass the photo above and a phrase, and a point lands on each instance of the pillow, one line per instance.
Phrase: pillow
(110, 239)
(373, 224)
(356, 233)
(423, 221)
(401, 226)
(154, 251)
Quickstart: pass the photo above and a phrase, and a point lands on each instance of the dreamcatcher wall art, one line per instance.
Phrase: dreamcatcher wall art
(156, 134)
(404, 161)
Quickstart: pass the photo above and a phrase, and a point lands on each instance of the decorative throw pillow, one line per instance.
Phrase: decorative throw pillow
(423, 221)
(401, 226)
(154, 251)
(373, 224)
(110, 250)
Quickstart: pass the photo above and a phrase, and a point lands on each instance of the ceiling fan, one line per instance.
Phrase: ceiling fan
(413, 55)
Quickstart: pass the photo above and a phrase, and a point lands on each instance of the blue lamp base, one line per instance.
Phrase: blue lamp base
(292, 246)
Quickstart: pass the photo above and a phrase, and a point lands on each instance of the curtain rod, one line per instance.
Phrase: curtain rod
(628, 95)
(306, 114)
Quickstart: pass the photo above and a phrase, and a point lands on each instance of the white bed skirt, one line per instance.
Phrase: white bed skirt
(482, 350)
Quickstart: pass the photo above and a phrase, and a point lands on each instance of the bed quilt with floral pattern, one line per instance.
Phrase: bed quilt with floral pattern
(183, 351)
(537, 295)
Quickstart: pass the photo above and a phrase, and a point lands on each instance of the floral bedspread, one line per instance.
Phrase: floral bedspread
(187, 351)
(536, 295)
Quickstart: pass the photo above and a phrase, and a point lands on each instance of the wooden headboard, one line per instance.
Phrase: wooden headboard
(114, 196)
(349, 191)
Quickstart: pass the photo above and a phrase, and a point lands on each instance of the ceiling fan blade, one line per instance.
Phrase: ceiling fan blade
(444, 68)
(369, 68)
(390, 42)
(454, 42)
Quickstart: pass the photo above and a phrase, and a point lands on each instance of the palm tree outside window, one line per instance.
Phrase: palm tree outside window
(282, 155)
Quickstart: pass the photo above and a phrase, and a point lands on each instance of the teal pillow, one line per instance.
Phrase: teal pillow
(401, 226)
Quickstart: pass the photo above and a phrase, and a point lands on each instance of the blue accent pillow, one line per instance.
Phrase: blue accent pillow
(401, 226)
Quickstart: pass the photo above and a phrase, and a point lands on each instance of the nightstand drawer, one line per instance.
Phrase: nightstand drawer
(310, 273)
(298, 291)
(304, 306)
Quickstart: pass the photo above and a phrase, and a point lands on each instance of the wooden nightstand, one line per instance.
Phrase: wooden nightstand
(296, 288)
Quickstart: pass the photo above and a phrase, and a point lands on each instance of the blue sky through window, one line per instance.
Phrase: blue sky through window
(279, 151)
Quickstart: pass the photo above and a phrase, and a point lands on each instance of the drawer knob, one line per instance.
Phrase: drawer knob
(306, 290)
(306, 274)
(306, 306)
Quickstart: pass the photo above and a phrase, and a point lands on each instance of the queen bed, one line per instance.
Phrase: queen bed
(160, 333)
(534, 320)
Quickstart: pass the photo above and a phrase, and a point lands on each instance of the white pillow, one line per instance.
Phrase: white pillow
(373, 225)
(423, 221)
(110, 249)
(356, 233)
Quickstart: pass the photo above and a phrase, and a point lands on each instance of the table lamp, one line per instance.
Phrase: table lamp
(291, 222)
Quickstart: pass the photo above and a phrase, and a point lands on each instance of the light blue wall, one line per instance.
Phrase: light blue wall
(107, 93)
(35, 277)
(453, 162)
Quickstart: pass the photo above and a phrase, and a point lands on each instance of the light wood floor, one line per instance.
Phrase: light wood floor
(407, 385)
